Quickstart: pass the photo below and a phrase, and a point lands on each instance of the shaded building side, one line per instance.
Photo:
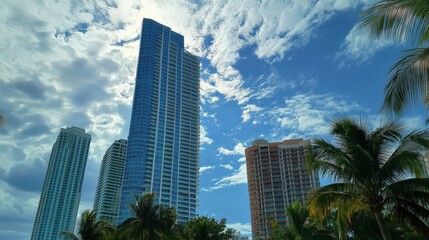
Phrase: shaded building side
(107, 195)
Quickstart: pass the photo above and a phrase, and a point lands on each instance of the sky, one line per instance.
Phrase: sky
(271, 70)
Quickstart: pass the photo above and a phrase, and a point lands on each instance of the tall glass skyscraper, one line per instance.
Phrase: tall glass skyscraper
(163, 142)
(59, 201)
(108, 192)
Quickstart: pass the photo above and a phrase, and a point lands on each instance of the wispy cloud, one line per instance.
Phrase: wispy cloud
(227, 166)
(248, 109)
(311, 114)
(274, 27)
(359, 47)
(238, 177)
(205, 168)
(204, 139)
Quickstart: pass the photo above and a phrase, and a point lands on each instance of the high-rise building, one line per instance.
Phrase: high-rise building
(163, 141)
(59, 201)
(107, 195)
(277, 177)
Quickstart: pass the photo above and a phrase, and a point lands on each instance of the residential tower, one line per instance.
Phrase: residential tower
(277, 177)
(107, 195)
(60, 197)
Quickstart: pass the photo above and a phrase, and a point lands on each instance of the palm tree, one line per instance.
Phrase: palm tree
(206, 228)
(150, 221)
(300, 226)
(90, 229)
(374, 171)
(403, 20)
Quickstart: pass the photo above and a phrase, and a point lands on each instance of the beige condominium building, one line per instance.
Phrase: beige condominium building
(277, 177)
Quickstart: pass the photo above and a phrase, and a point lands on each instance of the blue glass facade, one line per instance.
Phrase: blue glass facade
(163, 142)
(60, 197)
(107, 195)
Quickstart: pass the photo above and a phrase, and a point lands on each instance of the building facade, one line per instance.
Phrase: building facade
(60, 197)
(107, 195)
(277, 177)
(163, 142)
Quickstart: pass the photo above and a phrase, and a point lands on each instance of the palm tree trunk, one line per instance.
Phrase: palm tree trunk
(382, 225)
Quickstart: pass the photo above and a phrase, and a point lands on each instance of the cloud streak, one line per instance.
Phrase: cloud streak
(238, 177)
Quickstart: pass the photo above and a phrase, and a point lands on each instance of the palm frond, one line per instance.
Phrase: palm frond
(354, 137)
(343, 221)
(397, 19)
(150, 220)
(327, 159)
(297, 216)
(331, 196)
(400, 165)
(406, 187)
(421, 138)
(407, 158)
(350, 132)
(409, 82)
(383, 139)
(413, 215)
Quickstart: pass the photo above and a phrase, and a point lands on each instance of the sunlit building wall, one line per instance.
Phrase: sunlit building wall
(277, 177)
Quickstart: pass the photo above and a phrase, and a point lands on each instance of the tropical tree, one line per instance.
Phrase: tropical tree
(364, 226)
(150, 221)
(300, 226)
(91, 229)
(205, 228)
(374, 171)
(403, 20)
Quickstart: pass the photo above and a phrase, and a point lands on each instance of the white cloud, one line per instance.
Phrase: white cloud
(238, 150)
(206, 114)
(248, 109)
(311, 114)
(204, 139)
(238, 177)
(274, 27)
(358, 46)
(227, 166)
(243, 228)
(205, 168)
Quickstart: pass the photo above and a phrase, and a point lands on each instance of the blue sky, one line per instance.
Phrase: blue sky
(270, 69)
